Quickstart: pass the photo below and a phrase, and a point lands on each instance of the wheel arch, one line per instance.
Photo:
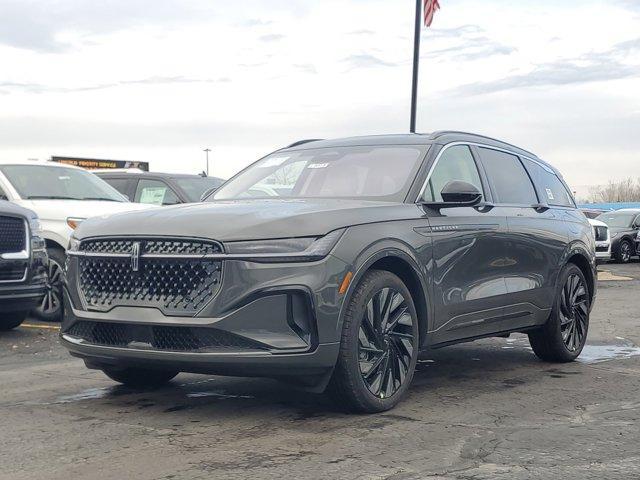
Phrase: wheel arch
(579, 256)
(402, 264)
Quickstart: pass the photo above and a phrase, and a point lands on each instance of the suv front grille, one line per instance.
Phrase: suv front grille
(163, 280)
(13, 234)
(12, 273)
(174, 339)
(600, 233)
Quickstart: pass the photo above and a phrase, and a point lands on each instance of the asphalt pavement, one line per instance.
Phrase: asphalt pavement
(483, 410)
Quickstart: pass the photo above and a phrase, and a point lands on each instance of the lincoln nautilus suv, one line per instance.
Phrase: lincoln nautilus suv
(332, 264)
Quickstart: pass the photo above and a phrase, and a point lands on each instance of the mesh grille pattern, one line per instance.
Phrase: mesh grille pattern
(12, 234)
(176, 339)
(174, 285)
(151, 246)
(11, 273)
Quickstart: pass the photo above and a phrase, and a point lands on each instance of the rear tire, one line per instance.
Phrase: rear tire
(51, 309)
(564, 335)
(379, 345)
(11, 320)
(140, 377)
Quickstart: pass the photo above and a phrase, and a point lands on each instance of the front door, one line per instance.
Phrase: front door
(469, 250)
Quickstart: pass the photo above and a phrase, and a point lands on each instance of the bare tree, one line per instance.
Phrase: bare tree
(623, 191)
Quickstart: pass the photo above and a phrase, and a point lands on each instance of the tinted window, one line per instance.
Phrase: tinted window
(549, 185)
(119, 184)
(456, 163)
(509, 178)
(617, 219)
(155, 192)
(195, 187)
(376, 173)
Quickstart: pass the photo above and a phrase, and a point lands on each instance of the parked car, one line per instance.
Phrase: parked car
(624, 226)
(382, 247)
(63, 197)
(23, 264)
(159, 188)
(603, 240)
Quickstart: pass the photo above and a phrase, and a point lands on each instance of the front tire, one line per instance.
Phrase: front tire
(140, 377)
(379, 345)
(51, 309)
(625, 251)
(564, 335)
(11, 320)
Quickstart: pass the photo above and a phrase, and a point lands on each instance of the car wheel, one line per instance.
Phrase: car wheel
(140, 377)
(379, 345)
(564, 335)
(11, 320)
(51, 308)
(625, 250)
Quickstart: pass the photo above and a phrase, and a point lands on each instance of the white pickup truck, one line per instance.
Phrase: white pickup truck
(62, 196)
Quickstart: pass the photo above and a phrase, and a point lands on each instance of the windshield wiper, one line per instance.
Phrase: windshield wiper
(101, 199)
(50, 197)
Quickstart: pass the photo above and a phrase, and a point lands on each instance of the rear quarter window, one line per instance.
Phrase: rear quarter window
(551, 189)
(508, 177)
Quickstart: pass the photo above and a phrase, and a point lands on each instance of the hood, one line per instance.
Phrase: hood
(249, 219)
(63, 209)
(597, 223)
(12, 209)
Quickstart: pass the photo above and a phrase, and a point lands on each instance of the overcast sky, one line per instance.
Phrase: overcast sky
(159, 80)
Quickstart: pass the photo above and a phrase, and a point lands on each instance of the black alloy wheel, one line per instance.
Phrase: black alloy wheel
(379, 345)
(51, 307)
(625, 251)
(564, 335)
(386, 343)
(574, 313)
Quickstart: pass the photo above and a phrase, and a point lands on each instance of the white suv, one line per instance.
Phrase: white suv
(62, 196)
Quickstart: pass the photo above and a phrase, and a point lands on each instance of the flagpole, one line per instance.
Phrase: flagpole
(416, 63)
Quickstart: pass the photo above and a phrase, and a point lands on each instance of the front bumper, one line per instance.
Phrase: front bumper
(21, 297)
(265, 320)
(603, 251)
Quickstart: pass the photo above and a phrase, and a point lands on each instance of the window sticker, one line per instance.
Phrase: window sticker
(550, 194)
(153, 195)
(273, 162)
(318, 165)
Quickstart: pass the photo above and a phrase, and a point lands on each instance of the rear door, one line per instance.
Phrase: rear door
(537, 237)
(468, 288)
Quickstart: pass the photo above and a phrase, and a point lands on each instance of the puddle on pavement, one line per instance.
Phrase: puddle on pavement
(603, 353)
(216, 395)
(90, 394)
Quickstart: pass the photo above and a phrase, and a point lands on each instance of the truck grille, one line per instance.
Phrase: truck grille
(12, 273)
(13, 234)
(600, 233)
(164, 279)
(175, 339)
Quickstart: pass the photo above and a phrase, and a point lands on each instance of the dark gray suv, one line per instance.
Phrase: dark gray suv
(332, 264)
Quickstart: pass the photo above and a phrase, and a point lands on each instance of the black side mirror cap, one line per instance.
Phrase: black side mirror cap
(457, 194)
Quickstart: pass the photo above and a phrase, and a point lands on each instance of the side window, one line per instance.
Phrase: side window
(155, 192)
(456, 163)
(120, 184)
(550, 187)
(509, 178)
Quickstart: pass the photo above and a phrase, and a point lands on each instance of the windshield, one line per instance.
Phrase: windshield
(374, 173)
(41, 182)
(195, 187)
(620, 220)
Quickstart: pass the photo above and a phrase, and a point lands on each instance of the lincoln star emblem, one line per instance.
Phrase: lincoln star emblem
(135, 257)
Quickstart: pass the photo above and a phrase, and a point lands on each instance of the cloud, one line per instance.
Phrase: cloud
(362, 32)
(366, 61)
(472, 49)
(155, 80)
(272, 37)
(590, 67)
(306, 68)
(455, 32)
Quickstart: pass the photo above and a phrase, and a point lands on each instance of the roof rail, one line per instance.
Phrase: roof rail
(302, 142)
(441, 133)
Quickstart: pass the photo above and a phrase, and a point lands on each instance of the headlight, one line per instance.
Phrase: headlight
(74, 245)
(304, 249)
(614, 235)
(35, 226)
(73, 222)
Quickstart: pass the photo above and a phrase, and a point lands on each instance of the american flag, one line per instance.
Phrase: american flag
(430, 8)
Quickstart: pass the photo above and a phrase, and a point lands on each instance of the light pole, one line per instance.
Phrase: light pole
(206, 151)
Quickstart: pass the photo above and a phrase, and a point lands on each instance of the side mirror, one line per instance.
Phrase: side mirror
(207, 193)
(457, 194)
